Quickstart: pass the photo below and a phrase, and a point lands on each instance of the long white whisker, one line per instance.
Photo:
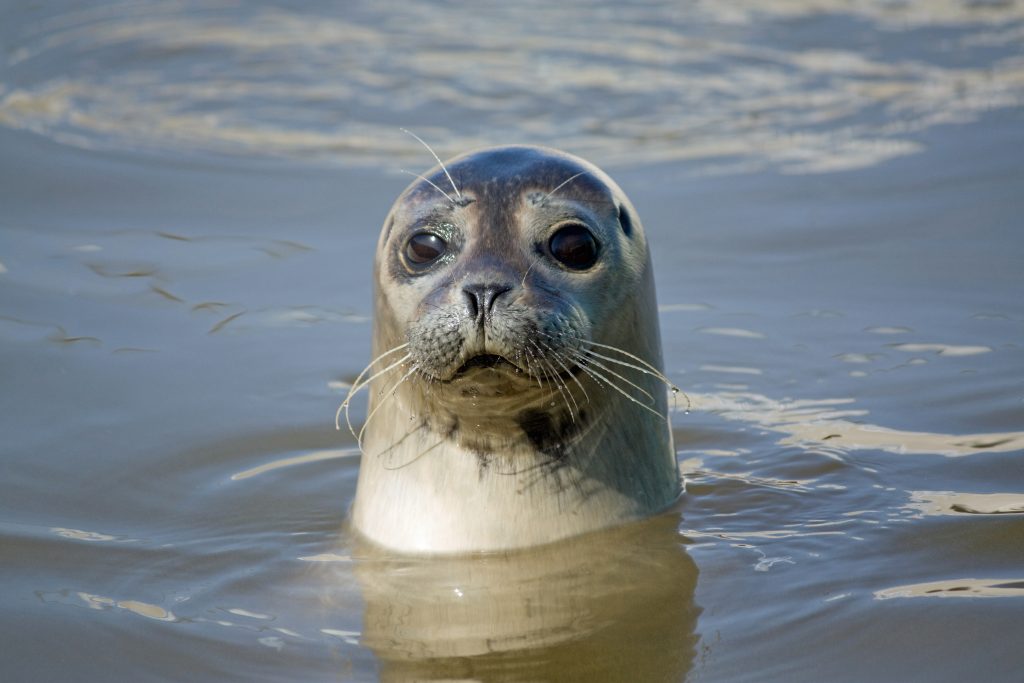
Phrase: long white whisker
(558, 358)
(431, 182)
(535, 261)
(594, 373)
(366, 382)
(650, 369)
(640, 368)
(590, 361)
(563, 388)
(560, 386)
(677, 390)
(561, 185)
(545, 371)
(647, 368)
(391, 393)
(357, 386)
(529, 366)
(441, 163)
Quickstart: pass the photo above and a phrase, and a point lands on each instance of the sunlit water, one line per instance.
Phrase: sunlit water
(190, 195)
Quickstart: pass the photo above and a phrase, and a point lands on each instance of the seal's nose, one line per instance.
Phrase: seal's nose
(480, 298)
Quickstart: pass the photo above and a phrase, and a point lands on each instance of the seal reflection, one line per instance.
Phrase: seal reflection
(616, 605)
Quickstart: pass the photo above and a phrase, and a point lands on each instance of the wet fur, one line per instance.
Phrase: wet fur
(462, 458)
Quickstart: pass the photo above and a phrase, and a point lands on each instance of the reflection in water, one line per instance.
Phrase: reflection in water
(942, 349)
(611, 606)
(315, 456)
(957, 588)
(952, 503)
(80, 535)
(101, 602)
(811, 423)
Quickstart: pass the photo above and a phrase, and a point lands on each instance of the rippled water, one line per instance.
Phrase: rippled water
(191, 194)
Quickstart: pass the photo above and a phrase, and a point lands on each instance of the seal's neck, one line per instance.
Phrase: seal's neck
(430, 486)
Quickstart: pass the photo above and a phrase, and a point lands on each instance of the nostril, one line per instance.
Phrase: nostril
(491, 295)
(480, 298)
(472, 305)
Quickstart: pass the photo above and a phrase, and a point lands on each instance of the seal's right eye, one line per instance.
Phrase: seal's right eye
(424, 248)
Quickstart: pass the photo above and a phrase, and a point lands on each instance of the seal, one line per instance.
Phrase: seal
(516, 395)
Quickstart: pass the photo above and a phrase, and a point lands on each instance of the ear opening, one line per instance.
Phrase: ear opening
(625, 222)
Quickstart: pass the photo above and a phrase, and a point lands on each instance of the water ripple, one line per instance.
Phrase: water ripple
(255, 80)
(957, 588)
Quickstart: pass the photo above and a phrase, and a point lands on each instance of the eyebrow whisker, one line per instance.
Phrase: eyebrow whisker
(441, 163)
(432, 184)
(561, 185)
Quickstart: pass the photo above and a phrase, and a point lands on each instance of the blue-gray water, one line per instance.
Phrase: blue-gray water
(190, 195)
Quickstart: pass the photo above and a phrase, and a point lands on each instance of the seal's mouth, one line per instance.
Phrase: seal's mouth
(487, 361)
(500, 364)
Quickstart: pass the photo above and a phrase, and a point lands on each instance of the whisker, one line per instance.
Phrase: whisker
(431, 182)
(535, 261)
(440, 163)
(581, 355)
(366, 382)
(529, 366)
(639, 368)
(391, 393)
(597, 375)
(558, 359)
(689, 406)
(647, 368)
(546, 372)
(562, 389)
(650, 369)
(356, 386)
(558, 356)
(561, 185)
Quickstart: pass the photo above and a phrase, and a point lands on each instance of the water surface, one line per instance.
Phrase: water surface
(191, 196)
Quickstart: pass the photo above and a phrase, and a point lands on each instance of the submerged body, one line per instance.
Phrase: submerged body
(516, 397)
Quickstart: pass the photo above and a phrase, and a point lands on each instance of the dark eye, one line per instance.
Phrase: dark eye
(574, 247)
(424, 247)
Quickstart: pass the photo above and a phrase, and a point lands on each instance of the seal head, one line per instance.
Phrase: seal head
(515, 310)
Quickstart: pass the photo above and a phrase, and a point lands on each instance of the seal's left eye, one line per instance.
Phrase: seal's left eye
(424, 247)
